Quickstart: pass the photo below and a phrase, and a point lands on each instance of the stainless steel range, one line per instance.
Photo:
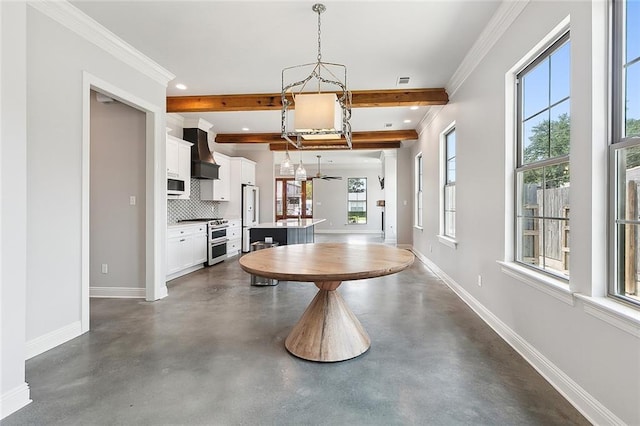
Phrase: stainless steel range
(217, 240)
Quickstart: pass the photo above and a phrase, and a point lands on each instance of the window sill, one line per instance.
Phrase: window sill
(448, 241)
(552, 286)
(615, 313)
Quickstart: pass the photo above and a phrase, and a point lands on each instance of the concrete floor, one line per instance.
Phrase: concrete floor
(213, 353)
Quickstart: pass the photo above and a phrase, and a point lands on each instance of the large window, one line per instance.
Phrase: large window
(542, 172)
(625, 151)
(419, 187)
(356, 200)
(294, 198)
(449, 189)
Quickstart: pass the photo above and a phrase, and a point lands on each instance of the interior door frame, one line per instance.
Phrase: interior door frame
(155, 188)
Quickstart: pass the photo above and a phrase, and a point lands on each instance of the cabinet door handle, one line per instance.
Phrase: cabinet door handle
(184, 239)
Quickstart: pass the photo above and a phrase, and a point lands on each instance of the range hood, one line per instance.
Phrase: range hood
(203, 166)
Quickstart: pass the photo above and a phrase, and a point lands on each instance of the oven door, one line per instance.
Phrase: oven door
(218, 251)
(217, 234)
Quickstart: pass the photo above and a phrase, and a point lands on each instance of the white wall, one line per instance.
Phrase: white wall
(595, 364)
(117, 172)
(57, 58)
(14, 391)
(330, 198)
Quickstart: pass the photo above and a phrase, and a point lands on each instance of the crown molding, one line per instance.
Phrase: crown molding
(507, 12)
(424, 123)
(75, 20)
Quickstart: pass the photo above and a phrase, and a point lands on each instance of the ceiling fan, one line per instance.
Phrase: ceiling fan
(321, 176)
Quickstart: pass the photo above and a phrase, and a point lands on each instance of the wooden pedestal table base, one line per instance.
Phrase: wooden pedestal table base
(328, 331)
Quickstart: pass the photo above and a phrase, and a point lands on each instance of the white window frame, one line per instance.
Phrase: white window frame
(545, 283)
(419, 190)
(618, 141)
(442, 237)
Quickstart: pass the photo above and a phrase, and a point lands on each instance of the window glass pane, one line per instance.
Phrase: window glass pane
(556, 246)
(633, 30)
(556, 191)
(560, 129)
(450, 210)
(560, 73)
(632, 103)
(535, 89)
(308, 210)
(356, 200)
(628, 284)
(451, 145)
(279, 201)
(530, 192)
(528, 240)
(535, 138)
(628, 171)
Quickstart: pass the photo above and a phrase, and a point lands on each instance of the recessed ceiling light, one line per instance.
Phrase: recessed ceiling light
(407, 121)
(181, 86)
(415, 107)
(245, 129)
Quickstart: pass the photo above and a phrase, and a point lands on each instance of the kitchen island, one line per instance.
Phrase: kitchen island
(286, 232)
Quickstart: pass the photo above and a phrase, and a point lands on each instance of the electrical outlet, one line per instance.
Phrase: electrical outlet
(132, 200)
(479, 280)
(105, 268)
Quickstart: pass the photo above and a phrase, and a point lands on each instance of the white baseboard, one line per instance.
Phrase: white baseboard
(584, 402)
(347, 231)
(15, 399)
(118, 292)
(51, 340)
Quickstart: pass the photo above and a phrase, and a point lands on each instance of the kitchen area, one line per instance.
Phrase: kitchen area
(213, 204)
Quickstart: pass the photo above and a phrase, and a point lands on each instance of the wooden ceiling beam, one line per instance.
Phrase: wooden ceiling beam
(378, 137)
(322, 145)
(271, 101)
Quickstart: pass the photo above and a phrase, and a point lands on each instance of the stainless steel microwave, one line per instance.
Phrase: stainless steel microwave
(175, 186)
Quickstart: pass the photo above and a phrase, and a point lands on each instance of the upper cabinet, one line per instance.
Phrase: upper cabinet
(219, 189)
(248, 171)
(179, 167)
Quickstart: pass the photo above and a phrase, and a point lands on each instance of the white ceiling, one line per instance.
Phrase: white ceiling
(228, 47)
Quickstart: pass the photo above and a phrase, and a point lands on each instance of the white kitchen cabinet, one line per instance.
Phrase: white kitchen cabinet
(220, 189)
(247, 171)
(186, 249)
(234, 234)
(179, 163)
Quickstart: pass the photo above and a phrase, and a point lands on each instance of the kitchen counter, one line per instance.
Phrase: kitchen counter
(290, 223)
(285, 232)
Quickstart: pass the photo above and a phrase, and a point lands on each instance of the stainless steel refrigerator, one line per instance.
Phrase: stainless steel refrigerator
(250, 213)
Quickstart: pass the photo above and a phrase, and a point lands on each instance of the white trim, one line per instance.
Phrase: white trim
(348, 231)
(448, 241)
(584, 402)
(51, 340)
(552, 286)
(615, 313)
(75, 20)
(15, 399)
(118, 292)
(428, 118)
(506, 14)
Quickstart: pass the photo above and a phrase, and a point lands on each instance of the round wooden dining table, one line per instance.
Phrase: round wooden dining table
(328, 331)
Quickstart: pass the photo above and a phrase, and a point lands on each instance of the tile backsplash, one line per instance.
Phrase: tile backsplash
(192, 208)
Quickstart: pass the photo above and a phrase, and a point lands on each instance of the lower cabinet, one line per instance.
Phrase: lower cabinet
(186, 249)
(234, 234)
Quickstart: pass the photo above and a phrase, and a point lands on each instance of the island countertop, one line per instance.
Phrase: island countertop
(289, 224)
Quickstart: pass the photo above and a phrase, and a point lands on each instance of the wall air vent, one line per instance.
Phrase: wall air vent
(403, 80)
